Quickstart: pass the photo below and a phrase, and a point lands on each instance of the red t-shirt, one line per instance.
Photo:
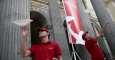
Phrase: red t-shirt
(94, 49)
(45, 51)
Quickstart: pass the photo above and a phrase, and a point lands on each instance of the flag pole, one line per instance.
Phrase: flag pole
(74, 53)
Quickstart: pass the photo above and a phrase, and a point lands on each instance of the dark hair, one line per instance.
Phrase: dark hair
(84, 35)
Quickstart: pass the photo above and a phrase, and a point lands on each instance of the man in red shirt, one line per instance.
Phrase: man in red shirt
(92, 47)
(91, 44)
(45, 50)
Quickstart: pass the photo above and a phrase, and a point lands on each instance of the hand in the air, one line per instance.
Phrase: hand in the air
(24, 31)
(104, 26)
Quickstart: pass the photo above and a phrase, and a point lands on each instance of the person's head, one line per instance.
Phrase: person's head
(86, 36)
(42, 32)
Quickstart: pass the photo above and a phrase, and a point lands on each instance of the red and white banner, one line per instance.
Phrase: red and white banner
(74, 23)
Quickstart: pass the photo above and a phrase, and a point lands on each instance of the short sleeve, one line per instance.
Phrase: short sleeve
(90, 43)
(32, 50)
(58, 51)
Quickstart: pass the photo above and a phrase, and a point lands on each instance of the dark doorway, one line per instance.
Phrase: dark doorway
(39, 20)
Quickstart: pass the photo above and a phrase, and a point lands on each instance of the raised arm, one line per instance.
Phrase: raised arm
(100, 34)
(24, 51)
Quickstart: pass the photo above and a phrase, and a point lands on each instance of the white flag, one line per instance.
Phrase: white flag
(22, 22)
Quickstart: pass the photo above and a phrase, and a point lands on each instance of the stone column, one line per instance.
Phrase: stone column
(104, 16)
(110, 6)
(85, 18)
(10, 38)
(58, 30)
(87, 27)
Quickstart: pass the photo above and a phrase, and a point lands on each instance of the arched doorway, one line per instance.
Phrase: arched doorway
(39, 20)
